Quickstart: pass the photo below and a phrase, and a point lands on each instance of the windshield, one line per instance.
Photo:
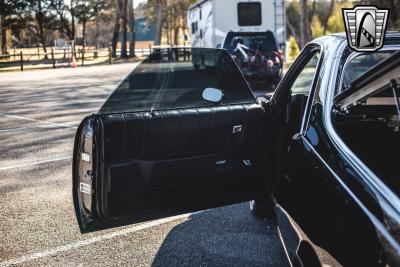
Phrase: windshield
(262, 42)
(176, 78)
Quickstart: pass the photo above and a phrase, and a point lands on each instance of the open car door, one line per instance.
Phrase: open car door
(182, 132)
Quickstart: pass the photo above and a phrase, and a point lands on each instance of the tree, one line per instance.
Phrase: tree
(317, 16)
(86, 11)
(326, 19)
(305, 34)
(44, 19)
(66, 17)
(316, 28)
(131, 27)
(293, 48)
(292, 20)
(335, 21)
(9, 10)
(101, 10)
(160, 19)
(169, 18)
(117, 25)
(124, 28)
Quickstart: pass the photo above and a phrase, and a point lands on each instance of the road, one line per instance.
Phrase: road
(39, 113)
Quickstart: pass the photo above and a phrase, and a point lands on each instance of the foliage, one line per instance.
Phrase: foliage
(316, 27)
(323, 16)
(172, 18)
(87, 10)
(335, 22)
(293, 48)
(10, 11)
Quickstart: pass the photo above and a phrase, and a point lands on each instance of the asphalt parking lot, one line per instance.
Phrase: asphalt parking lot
(39, 113)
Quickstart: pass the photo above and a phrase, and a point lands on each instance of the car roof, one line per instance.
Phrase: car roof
(234, 33)
(391, 37)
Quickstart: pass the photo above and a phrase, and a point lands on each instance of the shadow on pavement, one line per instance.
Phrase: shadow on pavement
(227, 236)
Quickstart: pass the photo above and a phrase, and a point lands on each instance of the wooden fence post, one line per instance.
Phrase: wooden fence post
(22, 60)
(109, 55)
(52, 58)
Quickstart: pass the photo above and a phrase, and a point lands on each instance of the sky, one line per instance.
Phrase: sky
(137, 2)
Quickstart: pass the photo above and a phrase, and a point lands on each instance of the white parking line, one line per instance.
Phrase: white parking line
(41, 121)
(34, 163)
(39, 126)
(65, 248)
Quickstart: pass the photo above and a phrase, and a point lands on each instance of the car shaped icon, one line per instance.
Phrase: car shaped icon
(323, 149)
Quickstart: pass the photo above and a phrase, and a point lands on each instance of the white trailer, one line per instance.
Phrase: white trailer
(211, 20)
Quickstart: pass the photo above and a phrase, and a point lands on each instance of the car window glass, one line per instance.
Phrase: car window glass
(249, 14)
(260, 42)
(360, 64)
(176, 78)
(303, 82)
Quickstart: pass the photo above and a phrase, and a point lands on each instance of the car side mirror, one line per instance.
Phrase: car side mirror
(219, 45)
(212, 95)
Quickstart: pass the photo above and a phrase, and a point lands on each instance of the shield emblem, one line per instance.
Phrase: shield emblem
(365, 27)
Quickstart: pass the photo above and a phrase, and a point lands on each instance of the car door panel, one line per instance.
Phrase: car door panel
(149, 164)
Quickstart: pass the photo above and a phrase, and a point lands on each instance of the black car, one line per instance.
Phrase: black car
(323, 150)
(258, 56)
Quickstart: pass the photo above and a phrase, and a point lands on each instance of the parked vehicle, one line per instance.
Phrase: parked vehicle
(209, 22)
(323, 150)
(257, 54)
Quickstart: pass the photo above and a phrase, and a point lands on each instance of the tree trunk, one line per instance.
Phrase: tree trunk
(65, 27)
(97, 34)
(72, 10)
(83, 35)
(159, 22)
(176, 26)
(293, 32)
(117, 25)
(131, 27)
(168, 32)
(40, 21)
(124, 53)
(3, 36)
(176, 35)
(325, 22)
(305, 35)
